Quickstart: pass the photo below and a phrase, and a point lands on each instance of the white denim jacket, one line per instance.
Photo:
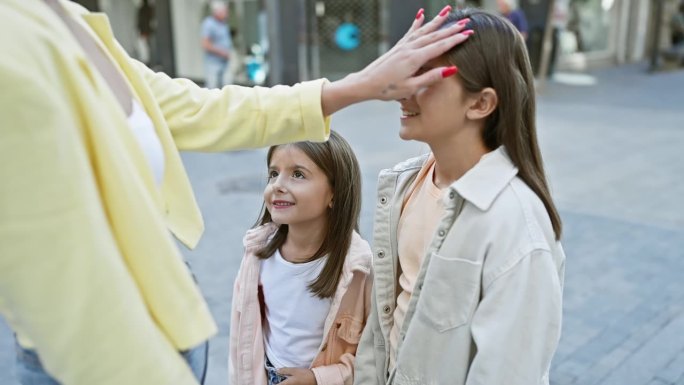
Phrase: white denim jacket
(487, 303)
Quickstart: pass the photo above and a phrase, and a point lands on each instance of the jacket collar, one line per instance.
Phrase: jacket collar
(487, 179)
(356, 260)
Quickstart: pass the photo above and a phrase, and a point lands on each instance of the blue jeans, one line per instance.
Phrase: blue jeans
(272, 374)
(30, 371)
(214, 73)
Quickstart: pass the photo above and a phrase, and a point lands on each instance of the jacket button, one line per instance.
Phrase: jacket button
(383, 200)
(387, 309)
(442, 233)
(381, 254)
(452, 195)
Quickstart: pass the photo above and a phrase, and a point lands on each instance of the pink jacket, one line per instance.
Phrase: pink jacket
(334, 363)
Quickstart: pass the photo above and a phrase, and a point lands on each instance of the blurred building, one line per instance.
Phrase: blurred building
(304, 39)
(603, 32)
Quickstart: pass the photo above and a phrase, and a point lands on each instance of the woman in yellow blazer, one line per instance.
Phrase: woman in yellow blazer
(90, 277)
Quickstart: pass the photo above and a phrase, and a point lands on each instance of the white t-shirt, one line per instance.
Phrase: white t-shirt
(295, 317)
(144, 132)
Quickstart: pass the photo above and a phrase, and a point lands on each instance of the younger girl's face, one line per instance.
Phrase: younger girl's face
(435, 113)
(298, 191)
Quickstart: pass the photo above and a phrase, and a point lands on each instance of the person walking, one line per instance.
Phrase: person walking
(217, 44)
(510, 10)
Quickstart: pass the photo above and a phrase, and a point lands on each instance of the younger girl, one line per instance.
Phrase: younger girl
(302, 294)
(468, 267)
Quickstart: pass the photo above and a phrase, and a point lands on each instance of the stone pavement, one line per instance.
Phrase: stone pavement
(614, 153)
(614, 156)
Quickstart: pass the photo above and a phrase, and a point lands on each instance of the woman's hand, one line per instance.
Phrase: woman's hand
(297, 376)
(393, 75)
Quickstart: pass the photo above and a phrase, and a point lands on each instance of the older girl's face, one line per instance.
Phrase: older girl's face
(435, 113)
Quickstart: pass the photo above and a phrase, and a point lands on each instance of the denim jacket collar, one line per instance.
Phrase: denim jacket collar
(487, 179)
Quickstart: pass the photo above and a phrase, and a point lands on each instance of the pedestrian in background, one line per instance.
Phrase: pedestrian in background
(217, 44)
(467, 235)
(510, 10)
(302, 294)
(94, 190)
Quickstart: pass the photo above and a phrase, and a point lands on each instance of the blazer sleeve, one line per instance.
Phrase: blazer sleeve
(520, 309)
(237, 117)
(63, 283)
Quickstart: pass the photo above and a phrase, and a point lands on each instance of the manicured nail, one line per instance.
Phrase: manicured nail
(449, 71)
(445, 11)
(463, 22)
(468, 32)
(420, 13)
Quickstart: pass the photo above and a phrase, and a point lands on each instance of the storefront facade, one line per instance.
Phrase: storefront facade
(304, 39)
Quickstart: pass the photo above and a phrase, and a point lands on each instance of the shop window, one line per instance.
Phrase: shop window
(588, 26)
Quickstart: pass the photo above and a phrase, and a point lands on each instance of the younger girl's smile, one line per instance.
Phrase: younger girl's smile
(280, 204)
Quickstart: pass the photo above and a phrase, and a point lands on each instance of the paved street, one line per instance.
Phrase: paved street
(614, 155)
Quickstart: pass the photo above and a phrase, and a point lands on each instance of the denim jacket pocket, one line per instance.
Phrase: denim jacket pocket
(450, 291)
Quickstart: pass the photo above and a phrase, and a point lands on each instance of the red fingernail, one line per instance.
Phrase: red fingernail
(449, 71)
(420, 13)
(468, 32)
(445, 11)
(463, 22)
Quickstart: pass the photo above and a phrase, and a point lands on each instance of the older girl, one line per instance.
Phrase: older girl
(468, 264)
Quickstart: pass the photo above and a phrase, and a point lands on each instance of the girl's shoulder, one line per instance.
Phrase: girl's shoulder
(258, 236)
(408, 164)
(359, 256)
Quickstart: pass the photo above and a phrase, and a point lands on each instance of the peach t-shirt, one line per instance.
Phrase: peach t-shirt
(422, 210)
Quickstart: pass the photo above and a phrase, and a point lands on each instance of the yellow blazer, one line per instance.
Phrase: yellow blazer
(90, 275)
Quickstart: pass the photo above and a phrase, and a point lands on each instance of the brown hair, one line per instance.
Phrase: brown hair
(337, 161)
(495, 56)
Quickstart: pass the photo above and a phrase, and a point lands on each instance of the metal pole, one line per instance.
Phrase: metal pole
(240, 44)
(655, 44)
(303, 42)
(164, 37)
(546, 48)
(275, 58)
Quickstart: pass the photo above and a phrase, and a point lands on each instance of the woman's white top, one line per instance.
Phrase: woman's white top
(143, 129)
(295, 317)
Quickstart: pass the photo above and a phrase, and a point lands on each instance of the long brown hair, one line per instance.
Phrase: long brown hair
(495, 56)
(337, 161)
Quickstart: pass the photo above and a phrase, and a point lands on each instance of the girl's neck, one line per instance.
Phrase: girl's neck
(456, 155)
(302, 243)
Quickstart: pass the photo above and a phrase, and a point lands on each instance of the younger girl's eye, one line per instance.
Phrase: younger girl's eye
(298, 174)
(272, 174)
